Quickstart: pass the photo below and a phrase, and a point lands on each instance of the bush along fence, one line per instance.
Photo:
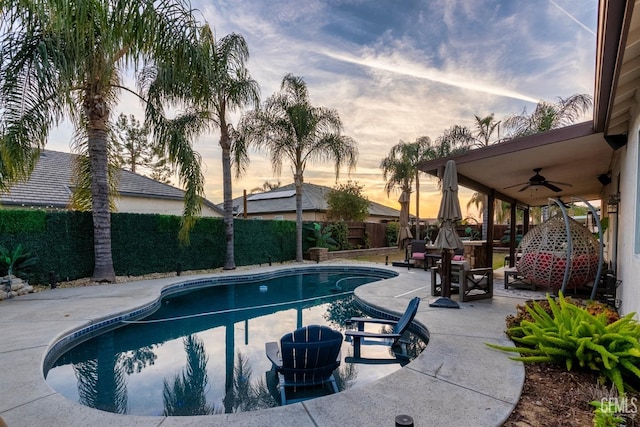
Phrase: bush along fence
(141, 243)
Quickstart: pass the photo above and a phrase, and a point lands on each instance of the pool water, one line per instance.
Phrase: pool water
(202, 351)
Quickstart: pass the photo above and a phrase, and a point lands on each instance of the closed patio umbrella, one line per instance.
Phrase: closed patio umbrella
(404, 233)
(448, 239)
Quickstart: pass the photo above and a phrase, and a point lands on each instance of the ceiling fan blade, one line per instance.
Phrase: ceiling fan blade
(552, 187)
(566, 184)
(525, 187)
(515, 185)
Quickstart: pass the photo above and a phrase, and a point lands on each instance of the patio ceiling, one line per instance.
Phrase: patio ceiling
(577, 154)
(617, 75)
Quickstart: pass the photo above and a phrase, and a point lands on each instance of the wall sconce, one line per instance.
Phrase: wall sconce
(604, 179)
(613, 202)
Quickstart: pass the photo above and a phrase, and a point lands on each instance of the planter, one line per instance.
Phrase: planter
(318, 254)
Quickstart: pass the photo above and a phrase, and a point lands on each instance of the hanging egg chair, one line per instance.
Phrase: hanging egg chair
(556, 249)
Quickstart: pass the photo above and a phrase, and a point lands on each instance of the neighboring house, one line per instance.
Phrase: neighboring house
(281, 204)
(50, 186)
(600, 159)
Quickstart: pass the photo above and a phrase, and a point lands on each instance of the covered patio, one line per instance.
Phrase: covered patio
(576, 155)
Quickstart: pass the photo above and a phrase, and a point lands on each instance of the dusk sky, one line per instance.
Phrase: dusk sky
(398, 70)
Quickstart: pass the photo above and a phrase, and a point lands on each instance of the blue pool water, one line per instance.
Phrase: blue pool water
(202, 351)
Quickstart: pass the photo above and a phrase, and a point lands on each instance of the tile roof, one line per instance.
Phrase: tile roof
(313, 199)
(50, 185)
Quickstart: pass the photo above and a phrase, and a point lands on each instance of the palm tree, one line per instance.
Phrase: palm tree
(289, 128)
(461, 138)
(266, 186)
(548, 115)
(227, 88)
(400, 168)
(464, 138)
(66, 59)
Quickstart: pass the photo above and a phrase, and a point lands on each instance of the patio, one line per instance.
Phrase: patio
(457, 380)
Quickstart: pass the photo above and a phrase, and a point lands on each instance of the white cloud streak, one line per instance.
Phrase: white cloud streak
(434, 75)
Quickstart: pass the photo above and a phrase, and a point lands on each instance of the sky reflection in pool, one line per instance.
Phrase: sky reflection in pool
(203, 351)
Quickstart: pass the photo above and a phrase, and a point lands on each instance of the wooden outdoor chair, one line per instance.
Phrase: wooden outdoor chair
(471, 283)
(305, 357)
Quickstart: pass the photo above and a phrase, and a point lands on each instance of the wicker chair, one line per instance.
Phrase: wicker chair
(547, 255)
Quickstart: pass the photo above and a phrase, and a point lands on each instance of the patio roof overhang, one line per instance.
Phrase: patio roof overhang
(575, 155)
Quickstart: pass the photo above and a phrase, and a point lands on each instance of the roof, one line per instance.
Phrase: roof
(577, 154)
(283, 199)
(50, 185)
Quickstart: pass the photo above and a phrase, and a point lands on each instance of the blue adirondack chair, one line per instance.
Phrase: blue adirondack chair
(305, 357)
(399, 327)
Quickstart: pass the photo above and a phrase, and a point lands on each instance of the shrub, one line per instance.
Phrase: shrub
(16, 260)
(321, 238)
(605, 414)
(392, 233)
(522, 312)
(570, 334)
(341, 235)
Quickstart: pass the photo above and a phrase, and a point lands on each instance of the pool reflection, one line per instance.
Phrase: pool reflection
(203, 352)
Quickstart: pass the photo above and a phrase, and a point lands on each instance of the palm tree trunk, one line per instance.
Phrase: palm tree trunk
(98, 156)
(298, 182)
(229, 262)
(417, 206)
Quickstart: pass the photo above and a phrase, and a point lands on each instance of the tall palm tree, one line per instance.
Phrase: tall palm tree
(464, 138)
(290, 129)
(226, 88)
(549, 115)
(65, 59)
(400, 168)
(398, 173)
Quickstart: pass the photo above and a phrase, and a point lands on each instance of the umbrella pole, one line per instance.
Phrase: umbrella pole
(446, 273)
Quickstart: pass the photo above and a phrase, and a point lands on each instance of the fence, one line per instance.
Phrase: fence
(141, 244)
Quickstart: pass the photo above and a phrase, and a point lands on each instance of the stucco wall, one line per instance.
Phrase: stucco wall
(291, 216)
(625, 166)
(306, 216)
(156, 206)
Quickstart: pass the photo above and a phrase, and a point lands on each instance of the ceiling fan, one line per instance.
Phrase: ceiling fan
(539, 180)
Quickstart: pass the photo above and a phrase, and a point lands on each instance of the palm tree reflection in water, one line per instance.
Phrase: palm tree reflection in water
(186, 394)
(103, 366)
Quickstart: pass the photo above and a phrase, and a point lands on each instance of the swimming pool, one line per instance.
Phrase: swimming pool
(210, 356)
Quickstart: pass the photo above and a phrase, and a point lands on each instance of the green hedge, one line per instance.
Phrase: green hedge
(140, 244)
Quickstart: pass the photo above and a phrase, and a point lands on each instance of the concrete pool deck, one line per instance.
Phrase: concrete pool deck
(457, 380)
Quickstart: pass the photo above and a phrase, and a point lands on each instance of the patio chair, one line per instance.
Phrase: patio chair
(477, 283)
(400, 326)
(305, 357)
(417, 252)
(471, 283)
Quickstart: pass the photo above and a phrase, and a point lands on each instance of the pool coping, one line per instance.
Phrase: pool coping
(457, 380)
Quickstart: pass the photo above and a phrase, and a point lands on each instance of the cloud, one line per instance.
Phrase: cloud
(400, 66)
(398, 73)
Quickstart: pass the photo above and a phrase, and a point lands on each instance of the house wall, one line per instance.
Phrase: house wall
(157, 206)
(306, 216)
(291, 216)
(626, 178)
